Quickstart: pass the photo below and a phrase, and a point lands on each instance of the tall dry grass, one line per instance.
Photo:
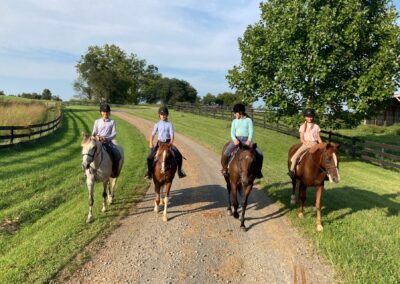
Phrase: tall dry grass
(13, 113)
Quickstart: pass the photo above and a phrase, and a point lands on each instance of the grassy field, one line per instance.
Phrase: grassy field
(379, 134)
(22, 112)
(44, 200)
(361, 236)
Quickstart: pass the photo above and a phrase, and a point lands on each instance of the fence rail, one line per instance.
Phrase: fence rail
(380, 154)
(27, 133)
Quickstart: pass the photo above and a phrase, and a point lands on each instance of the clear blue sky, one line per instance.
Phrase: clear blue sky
(42, 40)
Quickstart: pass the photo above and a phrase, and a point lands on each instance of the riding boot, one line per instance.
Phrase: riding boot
(149, 173)
(259, 160)
(224, 163)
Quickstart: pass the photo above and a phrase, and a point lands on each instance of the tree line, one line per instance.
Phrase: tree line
(45, 95)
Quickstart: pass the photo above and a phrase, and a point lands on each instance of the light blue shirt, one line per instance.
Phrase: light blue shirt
(242, 127)
(164, 130)
(104, 129)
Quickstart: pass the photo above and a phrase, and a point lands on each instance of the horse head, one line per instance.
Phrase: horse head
(164, 156)
(247, 163)
(329, 160)
(90, 149)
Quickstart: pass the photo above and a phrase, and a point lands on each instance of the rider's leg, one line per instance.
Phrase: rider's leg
(150, 161)
(259, 160)
(295, 157)
(225, 157)
(179, 160)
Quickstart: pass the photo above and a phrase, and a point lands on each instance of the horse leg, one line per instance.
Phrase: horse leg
(157, 199)
(90, 185)
(111, 190)
(302, 193)
(166, 195)
(228, 188)
(234, 200)
(105, 189)
(318, 195)
(245, 199)
(295, 185)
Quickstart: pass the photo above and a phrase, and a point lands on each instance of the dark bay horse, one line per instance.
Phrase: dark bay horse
(240, 178)
(164, 172)
(319, 162)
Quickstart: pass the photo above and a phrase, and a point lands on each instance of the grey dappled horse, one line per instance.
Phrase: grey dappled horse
(97, 165)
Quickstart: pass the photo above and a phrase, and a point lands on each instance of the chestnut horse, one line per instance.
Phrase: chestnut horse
(319, 162)
(241, 174)
(164, 172)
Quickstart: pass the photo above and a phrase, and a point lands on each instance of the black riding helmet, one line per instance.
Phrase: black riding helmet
(163, 110)
(105, 108)
(239, 108)
(309, 112)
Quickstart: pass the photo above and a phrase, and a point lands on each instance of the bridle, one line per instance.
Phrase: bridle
(94, 155)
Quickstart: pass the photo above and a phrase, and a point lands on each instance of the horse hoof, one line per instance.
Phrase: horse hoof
(156, 209)
(236, 215)
(293, 199)
(229, 213)
(103, 209)
(243, 228)
(320, 228)
(165, 218)
(301, 215)
(89, 220)
(110, 201)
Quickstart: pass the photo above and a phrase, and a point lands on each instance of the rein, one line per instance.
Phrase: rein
(94, 156)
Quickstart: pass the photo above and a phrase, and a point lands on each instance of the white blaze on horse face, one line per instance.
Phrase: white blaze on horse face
(163, 161)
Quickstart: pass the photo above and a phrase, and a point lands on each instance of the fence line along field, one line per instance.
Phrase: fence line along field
(360, 214)
(43, 198)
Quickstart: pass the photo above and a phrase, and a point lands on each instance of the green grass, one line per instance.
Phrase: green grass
(44, 199)
(379, 134)
(361, 236)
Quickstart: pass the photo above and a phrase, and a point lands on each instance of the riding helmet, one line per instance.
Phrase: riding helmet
(239, 108)
(105, 108)
(309, 112)
(163, 110)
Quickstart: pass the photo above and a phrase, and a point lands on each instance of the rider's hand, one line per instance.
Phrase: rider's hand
(151, 145)
(248, 142)
(236, 142)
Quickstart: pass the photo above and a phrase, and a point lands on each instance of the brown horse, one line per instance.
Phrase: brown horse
(241, 174)
(319, 162)
(164, 172)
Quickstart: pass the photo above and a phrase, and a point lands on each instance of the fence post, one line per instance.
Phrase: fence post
(264, 118)
(12, 135)
(382, 157)
(353, 147)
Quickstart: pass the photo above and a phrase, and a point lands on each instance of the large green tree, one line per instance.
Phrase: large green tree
(109, 74)
(172, 90)
(339, 56)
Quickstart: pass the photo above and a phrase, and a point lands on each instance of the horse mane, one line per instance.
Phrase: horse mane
(316, 147)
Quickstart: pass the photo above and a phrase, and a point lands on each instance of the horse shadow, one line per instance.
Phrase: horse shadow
(346, 199)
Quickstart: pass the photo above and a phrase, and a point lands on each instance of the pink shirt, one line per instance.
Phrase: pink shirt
(311, 134)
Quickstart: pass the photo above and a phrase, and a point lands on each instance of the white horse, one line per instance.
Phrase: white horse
(97, 165)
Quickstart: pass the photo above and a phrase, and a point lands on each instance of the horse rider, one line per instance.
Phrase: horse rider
(309, 136)
(105, 131)
(241, 132)
(165, 134)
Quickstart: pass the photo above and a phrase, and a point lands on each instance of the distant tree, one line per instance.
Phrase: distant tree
(150, 85)
(110, 74)
(2, 93)
(340, 57)
(82, 90)
(56, 98)
(175, 90)
(209, 99)
(227, 99)
(46, 94)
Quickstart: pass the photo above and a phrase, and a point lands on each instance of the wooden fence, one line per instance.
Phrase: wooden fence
(19, 134)
(384, 155)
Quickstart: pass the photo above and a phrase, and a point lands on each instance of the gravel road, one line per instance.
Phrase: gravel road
(200, 243)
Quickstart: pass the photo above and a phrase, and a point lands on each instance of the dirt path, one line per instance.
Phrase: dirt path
(200, 243)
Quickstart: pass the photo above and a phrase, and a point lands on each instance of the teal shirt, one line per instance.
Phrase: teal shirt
(242, 127)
